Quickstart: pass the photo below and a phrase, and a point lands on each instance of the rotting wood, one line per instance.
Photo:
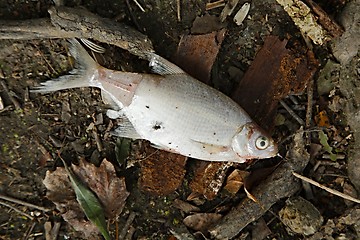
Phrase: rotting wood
(279, 185)
(78, 22)
(274, 74)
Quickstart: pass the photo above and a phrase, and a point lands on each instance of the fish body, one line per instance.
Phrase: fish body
(171, 109)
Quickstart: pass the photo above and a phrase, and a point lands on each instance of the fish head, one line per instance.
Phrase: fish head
(251, 142)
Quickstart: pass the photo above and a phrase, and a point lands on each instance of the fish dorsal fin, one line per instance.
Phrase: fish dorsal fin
(162, 66)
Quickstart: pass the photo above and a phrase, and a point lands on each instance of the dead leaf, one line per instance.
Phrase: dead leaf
(206, 24)
(185, 206)
(102, 180)
(260, 230)
(60, 192)
(201, 221)
(235, 181)
(322, 119)
(110, 189)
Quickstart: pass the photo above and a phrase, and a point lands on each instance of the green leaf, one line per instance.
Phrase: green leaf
(89, 203)
(324, 142)
(122, 149)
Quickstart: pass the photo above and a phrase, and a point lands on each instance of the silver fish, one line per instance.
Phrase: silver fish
(171, 109)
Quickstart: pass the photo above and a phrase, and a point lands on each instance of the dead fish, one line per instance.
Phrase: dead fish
(171, 109)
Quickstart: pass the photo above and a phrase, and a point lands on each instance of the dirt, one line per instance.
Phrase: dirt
(32, 135)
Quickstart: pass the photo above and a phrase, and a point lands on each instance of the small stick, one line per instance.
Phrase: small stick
(292, 113)
(126, 227)
(133, 18)
(335, 192)
(310, 90)
(130, 233)
(11, 97)
(16, 209)
(17, 201)
(29, 231)
(178, 7)
(138, 4)
(213, 5)
(97, 139)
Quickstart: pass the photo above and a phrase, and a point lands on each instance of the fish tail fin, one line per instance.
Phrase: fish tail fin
(85, 73)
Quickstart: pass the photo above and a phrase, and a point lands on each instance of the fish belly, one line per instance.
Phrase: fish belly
(183, 115)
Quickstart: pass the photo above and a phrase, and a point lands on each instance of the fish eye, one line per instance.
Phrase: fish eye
(262, 143)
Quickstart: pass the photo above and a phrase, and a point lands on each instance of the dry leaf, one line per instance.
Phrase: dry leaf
(201, 221)
(235, 181)
(110, 189)
(60, 192)
(102, 180)
(322, 119)
(185, 206)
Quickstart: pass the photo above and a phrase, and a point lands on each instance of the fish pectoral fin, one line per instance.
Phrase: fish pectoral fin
(107, 99)
(125, 129)
(162, 66)
(211, 148)
(163, 147)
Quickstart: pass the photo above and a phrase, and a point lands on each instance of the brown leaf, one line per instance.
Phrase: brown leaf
(110, 189)
(60, 192)
(235, 181)
(201, 221)
(185, 206)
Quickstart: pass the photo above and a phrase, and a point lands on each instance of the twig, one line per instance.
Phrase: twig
(17, 201)
(52, 232)
(310, 90)
(126, 227)
(213, 5)
(29, 231)
(77, 22)
(97, 139)
(130, 233)
(178, 10)
(138, 4)
(16, 209)
(133, 18)
(335, 192)
(11, 97)
(46, 61)
(292, 113)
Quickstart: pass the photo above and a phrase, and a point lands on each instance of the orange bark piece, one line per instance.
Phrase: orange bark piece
(275, 73)
(161, 172)
(196, 54)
